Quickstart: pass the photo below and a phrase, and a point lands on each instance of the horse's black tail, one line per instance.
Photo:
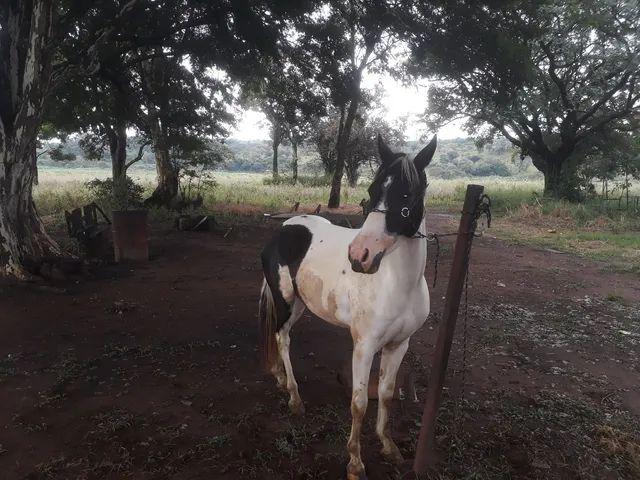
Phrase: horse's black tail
(268, 327)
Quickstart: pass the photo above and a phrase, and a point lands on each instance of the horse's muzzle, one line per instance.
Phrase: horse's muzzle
(367, 267)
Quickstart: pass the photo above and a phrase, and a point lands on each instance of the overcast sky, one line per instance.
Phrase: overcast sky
(398, 101)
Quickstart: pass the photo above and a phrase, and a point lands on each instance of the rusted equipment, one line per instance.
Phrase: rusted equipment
(426, 440)
(130, 235)
(83, 225)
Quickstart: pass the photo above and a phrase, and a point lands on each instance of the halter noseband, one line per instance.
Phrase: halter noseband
(404, 211)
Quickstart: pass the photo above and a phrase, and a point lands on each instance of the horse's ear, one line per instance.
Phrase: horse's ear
(386, 155)
(424, 157)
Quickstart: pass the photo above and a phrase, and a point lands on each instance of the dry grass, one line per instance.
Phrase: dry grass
(621, 447)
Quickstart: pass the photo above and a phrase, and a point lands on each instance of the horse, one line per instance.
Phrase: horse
(369, 280)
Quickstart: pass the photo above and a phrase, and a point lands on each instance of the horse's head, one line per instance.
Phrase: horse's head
(396, 198)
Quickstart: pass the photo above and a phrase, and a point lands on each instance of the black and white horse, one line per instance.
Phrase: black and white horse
(370, 281)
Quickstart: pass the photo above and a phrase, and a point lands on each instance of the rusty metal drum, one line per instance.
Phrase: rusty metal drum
(130, 235)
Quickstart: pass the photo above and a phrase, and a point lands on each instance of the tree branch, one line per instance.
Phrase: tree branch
(91, 51)
(139, 156)
(554, 76)
(606, 97)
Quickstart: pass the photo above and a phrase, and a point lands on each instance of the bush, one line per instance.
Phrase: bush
(102, 193)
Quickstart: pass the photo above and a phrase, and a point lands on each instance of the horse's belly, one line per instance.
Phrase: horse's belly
(321, 296)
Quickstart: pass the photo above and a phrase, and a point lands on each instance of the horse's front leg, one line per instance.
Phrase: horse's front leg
(390, 361)
(363, 352)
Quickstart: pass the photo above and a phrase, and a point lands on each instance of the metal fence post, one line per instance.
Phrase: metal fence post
(426, 440)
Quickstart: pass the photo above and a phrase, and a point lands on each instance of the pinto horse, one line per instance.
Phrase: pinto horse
(370, 281)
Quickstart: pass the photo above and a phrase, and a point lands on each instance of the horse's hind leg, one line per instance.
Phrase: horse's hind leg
(277, 370)
(283, 339)
(389, 364)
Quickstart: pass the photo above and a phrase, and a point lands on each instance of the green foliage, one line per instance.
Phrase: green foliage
(57, 154)
(103, 193)
(552, 77)
(457, 158)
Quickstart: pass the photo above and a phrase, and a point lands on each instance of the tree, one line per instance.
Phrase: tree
(615, 156)
(363, 147)
(103, 106)
(346, 38)
(548, 79)
(180, 108)
(288, 97)
(39, 54)
(30, 65)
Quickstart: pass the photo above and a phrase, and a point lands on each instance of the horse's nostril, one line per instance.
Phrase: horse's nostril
(365, 255)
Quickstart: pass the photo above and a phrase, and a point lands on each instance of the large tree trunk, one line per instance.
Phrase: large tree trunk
(294, 161)
(25, 74)
(156, 83)
(23, 240)
(168, 183)
(118, 150)
(343, 142)
(275, 143)
(560, 179)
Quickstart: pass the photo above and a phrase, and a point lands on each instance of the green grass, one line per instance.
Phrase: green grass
(592, 229)
(619, 250)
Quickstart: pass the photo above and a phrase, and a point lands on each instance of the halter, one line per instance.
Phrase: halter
(404, 211)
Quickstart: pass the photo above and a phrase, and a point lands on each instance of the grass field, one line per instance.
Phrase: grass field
(522, 215)
(61, 188)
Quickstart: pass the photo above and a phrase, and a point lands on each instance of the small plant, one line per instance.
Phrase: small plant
(102, 192)
(614, 297)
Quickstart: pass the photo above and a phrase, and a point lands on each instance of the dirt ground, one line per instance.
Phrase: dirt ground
(149, 371)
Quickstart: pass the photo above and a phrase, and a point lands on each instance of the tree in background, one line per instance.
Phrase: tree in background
(103, 106)
(615, 158)
(362, 148)
(193, 161)
(346, 38)
(547, 77)
(181, 109)
(287, 95)
(43, 44)
(33, 35)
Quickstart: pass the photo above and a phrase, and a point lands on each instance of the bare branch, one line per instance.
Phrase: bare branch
(139, 156)
(562, 87)
(605, 98)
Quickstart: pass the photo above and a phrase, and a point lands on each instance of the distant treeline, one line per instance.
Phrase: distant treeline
(454, 158)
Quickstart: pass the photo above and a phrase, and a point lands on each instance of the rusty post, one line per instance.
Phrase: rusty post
(425, 447)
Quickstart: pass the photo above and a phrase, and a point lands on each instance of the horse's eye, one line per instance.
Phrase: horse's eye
(405, 195)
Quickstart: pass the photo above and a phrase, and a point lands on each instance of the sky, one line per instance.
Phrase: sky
(398, 101)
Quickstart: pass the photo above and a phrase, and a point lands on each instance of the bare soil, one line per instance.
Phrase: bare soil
(149, 371)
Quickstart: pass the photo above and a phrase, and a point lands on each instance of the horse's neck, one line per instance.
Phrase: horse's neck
(411, 258)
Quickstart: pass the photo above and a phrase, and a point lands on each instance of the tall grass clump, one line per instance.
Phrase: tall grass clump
(53, 198)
